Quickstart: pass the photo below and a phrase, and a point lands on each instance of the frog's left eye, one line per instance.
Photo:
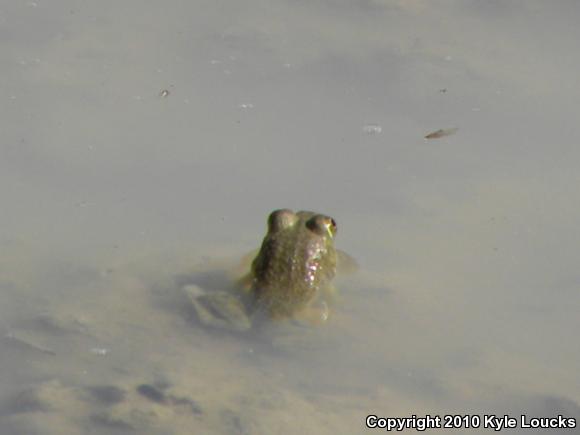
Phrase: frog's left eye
(281, 219)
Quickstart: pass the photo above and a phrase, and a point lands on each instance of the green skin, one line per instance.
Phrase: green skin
(291, 273)
(296, 262)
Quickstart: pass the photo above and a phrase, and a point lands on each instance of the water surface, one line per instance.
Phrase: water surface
(113, 190)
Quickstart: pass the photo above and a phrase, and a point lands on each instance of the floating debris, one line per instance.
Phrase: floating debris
(246, 106)
(372, 129)
(101, 351)
(441, 133)
(164, 93)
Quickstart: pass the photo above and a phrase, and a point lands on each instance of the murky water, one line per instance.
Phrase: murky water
(145, 143)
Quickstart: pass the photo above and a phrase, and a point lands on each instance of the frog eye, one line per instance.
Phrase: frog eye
(332, 227)
(281, 219)
(322, 225)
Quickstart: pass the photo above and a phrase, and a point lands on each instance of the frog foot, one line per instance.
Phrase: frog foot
(218, 309)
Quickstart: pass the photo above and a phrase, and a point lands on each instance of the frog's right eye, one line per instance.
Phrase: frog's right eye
(281, 219)
(322, 225)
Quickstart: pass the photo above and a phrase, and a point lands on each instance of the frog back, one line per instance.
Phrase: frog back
(290, 270)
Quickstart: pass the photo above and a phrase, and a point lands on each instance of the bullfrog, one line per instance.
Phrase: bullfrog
(290, 277)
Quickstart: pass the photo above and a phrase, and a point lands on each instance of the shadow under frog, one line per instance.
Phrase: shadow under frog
(289, 279)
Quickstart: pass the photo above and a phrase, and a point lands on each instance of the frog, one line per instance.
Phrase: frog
(289, 278)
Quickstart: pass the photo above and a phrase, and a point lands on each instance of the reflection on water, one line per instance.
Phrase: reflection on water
(142, 147)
